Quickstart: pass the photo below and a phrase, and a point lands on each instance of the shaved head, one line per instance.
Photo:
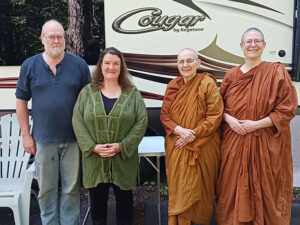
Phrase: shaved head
(253, 29)
(189, 50)
(51, 23)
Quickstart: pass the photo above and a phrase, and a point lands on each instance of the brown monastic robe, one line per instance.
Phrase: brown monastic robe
(255, 183)
(193, 170)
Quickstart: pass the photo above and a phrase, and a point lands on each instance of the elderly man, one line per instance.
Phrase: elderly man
(53, 80)
(191, 113)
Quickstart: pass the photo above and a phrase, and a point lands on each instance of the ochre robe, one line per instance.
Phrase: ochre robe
(255, 182)
(193, 170)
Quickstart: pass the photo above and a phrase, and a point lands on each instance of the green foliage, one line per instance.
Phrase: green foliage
(296, 192)
(152, 183)
(164, 190)
(21, 22)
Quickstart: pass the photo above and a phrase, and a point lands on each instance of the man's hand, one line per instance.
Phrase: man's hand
(29, 144)
(23, 118)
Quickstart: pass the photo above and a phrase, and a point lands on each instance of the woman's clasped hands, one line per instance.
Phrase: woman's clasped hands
(185, 136)
(107, 150)
(242, 127)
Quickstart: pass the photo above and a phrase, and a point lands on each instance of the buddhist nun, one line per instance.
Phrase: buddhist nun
(191, 114)
(255, 183)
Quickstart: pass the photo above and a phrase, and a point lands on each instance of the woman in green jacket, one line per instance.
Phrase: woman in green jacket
(109, 121)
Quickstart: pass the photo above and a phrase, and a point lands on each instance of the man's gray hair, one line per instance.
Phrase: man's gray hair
(50, 21)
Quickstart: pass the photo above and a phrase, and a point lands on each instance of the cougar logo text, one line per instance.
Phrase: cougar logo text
(155, 21)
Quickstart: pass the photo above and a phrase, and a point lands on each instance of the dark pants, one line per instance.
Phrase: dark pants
(98, 201)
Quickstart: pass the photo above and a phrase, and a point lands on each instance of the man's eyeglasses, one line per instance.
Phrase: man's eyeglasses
(52, 38)
(188, 61)
(249, 42)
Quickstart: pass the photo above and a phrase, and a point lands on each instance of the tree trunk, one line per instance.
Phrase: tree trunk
(76, 22)
(7, 46)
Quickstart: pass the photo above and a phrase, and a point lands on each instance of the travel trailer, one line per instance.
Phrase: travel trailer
(151, 33)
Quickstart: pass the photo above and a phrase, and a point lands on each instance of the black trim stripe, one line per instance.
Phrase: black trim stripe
(255, 4)
(190, 4)
(157, 79)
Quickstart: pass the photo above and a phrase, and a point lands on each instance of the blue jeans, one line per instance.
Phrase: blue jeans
(53, 161)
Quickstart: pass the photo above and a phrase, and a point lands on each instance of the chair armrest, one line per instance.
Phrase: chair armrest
(31, 169)
(24, 199)
(29, 175)
(25, 194)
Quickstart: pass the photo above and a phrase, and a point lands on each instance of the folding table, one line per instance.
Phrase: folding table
(154, 146)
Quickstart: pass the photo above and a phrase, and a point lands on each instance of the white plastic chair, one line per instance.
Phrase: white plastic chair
(15, 178)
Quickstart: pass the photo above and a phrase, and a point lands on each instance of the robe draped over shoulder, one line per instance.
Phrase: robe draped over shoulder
(193, 170)
(255, 182)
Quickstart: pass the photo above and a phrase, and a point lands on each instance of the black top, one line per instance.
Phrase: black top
(108, 103)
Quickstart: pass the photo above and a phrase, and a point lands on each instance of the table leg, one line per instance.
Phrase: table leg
(87, 211)
(158, 189)
(86, 215)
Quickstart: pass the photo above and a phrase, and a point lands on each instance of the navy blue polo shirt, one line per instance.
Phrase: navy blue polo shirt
(53, 96)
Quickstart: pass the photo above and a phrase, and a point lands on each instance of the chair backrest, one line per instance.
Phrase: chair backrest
(13, 158)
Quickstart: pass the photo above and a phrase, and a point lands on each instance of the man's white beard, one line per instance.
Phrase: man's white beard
(54, 52)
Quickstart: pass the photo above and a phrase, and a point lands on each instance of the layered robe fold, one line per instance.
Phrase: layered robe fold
(193, 170)
(255, 182)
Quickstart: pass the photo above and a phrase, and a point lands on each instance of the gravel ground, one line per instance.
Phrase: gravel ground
(140, 195)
